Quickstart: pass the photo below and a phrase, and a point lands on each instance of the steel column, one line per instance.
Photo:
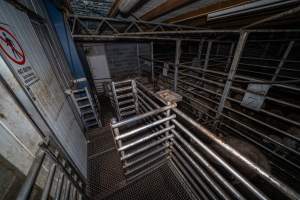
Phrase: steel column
(207, 55)
(152, 64)
(229, 56)
(135, 97)
(138, 58)
(284, 57)
(235, 62)
(200, 48)
(177, 61)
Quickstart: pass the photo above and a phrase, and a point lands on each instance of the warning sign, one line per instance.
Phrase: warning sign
(11, 48)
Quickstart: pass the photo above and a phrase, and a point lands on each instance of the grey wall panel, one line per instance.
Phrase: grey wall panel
(50, 98)
(145, 51)
(122, 59)
(97, 61)
(18, 137)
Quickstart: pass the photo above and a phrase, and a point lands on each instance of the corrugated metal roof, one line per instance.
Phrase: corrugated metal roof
(91, 7)
(190, 7)
(147, 7)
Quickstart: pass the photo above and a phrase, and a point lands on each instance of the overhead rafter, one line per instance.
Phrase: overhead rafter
(104, 28)
(202, 12)
(114, 9)
(164, 8)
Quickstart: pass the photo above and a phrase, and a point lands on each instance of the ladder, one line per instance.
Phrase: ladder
(86, 108)
(124, 98)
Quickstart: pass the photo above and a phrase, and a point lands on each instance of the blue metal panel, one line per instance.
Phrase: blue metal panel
(66, 40)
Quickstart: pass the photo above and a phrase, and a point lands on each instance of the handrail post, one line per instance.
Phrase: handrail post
(27, 187)
(177, 61)
(235, 62)
(116, 133)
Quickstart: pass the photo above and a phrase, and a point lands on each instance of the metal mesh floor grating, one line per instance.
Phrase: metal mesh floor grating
(106, 179)
(105, 173)
(100, 143)
(161, 184)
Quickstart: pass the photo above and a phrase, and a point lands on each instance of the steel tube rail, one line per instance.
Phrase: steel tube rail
(269, 126)
(146, 163)
(199, 103)
(27, 187)
(124, 96)
(267, 97)
(49, 183)
(201, 88)
(116, 100)
(59, 186)
(209, 167)
(148, 137)
(269, 178)
(190, 179)
(123, 89)
(219, 191)
(196, 176)
(262, 135)
(149, 108)
(128, 21)
(235, 62)
(236, 76)
(177, 61)
(260, 145)
(63, 168)
(202, 79)
(148, 170)
(122, 82)
(149, 146)
(153, 152)
(142, 128)
(85, 37)
(67, 191)
(142, 116)
(126, 102)
(150, 100)
(156, 106)
(127, 108)
(234, 172)
(274, 17)
(198, 95)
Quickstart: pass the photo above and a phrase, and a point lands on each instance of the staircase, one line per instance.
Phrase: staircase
(86, 108)
(124, 98)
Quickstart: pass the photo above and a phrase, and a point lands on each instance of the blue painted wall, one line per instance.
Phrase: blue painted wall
(66, 40)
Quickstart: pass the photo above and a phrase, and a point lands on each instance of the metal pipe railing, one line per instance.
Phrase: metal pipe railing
(144, 148)
(268, 177)
(57, 166)
(31, 176)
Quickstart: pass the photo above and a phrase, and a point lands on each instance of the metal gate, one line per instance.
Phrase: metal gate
(211, 167)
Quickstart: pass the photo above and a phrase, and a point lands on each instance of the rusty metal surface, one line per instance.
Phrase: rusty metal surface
(169, 96)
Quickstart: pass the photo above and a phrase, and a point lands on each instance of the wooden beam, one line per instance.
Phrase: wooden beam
(164, 8)
(202, 12)
(114, 9)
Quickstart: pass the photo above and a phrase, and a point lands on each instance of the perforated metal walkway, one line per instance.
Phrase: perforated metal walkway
(106, 180)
